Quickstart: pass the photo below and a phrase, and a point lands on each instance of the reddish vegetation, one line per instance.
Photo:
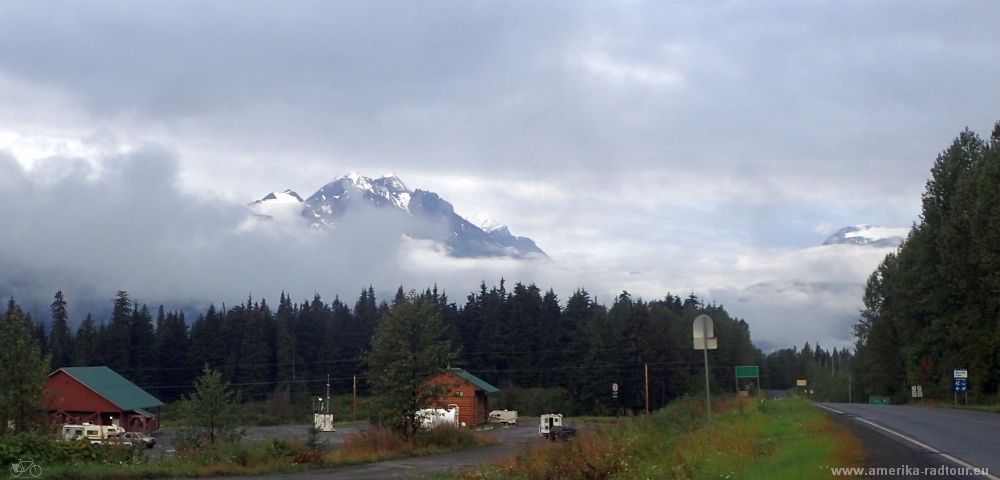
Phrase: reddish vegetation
(377, 442)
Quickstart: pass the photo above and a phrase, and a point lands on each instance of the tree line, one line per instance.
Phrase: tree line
(934, 304)
(522, 338)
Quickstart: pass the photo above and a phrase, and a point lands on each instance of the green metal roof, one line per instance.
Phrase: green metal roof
(113, 387)
(474, 380)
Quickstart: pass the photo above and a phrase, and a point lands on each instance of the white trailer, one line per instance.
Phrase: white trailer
(431, 418)
(93, 433)
(504, 417)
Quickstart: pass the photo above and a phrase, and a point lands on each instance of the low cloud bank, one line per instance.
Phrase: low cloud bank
(91, 228)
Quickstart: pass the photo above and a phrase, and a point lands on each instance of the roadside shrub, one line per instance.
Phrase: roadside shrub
(44, 449)
(451, 438)
(373, 441)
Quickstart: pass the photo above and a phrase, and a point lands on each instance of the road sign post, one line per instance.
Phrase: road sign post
(704, 339)
(750, 371)
(917, 391)
(961, 385)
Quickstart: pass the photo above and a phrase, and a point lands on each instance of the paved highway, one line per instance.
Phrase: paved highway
(954, 437)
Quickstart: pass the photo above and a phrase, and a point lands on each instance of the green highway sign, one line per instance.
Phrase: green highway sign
(747, 372)
(878, 400)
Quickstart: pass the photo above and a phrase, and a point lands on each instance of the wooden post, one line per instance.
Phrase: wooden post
(355, 398)
(647, 389)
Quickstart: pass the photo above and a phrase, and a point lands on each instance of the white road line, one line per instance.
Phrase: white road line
(924, 445)
(834, 410)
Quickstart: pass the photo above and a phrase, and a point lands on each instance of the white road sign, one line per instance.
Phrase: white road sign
(961, 373)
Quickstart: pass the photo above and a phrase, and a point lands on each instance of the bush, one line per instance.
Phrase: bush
(44, 449)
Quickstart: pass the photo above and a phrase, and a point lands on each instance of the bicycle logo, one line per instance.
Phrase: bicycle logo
(29, 467)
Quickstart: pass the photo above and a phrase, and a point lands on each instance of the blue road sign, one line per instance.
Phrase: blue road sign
(961, 385)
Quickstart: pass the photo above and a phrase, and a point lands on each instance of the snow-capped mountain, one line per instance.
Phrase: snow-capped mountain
(422, 214)
(331, 202)
(869, 235)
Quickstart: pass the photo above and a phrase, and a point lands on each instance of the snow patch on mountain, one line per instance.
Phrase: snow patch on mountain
(871, 235)
(487, 224)
(288, 196)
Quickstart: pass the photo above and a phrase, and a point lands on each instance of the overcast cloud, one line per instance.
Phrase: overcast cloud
(647, 146)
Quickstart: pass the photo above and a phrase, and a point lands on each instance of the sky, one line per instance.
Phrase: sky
(653, 147)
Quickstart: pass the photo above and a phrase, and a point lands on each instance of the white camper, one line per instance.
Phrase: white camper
(93, 433)
(431, 418)
(551, 426)
(504, 417)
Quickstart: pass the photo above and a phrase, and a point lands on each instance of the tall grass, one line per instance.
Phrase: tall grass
(786, 439)
(376, 443)
(272, 456)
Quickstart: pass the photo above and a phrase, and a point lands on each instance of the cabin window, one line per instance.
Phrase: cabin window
(459, 394)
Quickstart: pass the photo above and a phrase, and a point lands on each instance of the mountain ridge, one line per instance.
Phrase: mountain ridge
(425, 215)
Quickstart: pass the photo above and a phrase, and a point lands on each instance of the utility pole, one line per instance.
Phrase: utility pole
(850, 386)
(647, 389)
(355, 398)
(328, 393)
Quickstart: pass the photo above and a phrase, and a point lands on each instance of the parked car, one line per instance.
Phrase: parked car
(138, 438)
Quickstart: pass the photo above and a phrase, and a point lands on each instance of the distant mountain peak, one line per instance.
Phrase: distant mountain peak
(430, 216)
(872, 235)
(288, 196)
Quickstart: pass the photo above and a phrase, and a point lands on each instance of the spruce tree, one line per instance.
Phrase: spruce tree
(61, 347)
(22, 375)
(171, 349)
(406, 351)
(143, 360)
(85, 353)
(118, 336)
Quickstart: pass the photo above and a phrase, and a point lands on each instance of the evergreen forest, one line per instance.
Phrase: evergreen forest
(521, 340)
(934, 305)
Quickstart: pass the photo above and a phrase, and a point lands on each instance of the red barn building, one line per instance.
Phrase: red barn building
(467, 391)
(97, 394)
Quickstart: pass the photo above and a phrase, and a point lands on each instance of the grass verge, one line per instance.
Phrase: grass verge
(782, 439)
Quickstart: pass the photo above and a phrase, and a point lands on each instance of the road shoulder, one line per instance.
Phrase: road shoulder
(886, 451)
